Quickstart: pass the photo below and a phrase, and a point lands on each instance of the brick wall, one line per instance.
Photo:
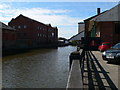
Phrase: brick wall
(107, 32)
(8, 39)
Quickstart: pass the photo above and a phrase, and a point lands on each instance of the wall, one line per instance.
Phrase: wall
(8, 39)
(81, 27)
(108, 34)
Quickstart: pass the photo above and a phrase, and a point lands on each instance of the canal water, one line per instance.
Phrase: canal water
(42, 68)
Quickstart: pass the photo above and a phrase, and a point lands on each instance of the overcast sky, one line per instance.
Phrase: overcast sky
(64, 15)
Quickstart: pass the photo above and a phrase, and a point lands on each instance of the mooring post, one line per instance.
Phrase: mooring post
(74, 56)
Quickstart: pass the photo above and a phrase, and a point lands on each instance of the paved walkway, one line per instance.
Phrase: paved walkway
(98, 74)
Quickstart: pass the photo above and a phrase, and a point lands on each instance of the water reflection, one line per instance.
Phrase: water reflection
(45, 68)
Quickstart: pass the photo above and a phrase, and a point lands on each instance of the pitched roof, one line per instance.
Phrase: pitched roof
(110, 15)
(4, 26)
(29, 19)
(94, 16)
(32, 20)
(76, 35)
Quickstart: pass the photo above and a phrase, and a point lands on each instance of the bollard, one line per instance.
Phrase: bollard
(74, 56)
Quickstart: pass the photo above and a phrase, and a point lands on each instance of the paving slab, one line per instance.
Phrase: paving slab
(111, 69)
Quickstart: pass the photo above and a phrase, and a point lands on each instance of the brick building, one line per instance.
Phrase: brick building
(8, 37)
(31, 33)
(105, 25)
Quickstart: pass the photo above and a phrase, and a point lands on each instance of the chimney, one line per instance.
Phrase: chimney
(98, 11)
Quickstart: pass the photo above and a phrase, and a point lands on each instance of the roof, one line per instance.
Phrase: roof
(76, 35)
(4, 26)
(81, 23)
(55, 27)
(95, 16)
(110, 15)
(48, 25)
(31, 20)
(113, 13)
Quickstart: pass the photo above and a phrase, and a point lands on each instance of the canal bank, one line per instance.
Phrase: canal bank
(45, 68)
(12, 51)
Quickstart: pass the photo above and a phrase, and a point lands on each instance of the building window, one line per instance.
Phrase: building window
(52, 34)
(38, 34)
(117, 28)
(38, 27)
(25, 26)
(19, 27)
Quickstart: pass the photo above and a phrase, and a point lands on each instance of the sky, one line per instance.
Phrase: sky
(63, 15)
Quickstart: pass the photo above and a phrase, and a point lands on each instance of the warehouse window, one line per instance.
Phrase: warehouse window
(19, 27)
(52, 34)
(117, 28)
(25, 26)
(38, 35)
(38, 27)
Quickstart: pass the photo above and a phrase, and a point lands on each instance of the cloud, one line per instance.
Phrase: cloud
(2, 6)
(56, 17)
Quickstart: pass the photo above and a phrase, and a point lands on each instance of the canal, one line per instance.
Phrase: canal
(42, 68)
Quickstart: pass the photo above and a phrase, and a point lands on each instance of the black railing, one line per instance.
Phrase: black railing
(91, 74)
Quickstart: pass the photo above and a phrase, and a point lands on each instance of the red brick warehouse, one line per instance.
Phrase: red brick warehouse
(31, 33)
